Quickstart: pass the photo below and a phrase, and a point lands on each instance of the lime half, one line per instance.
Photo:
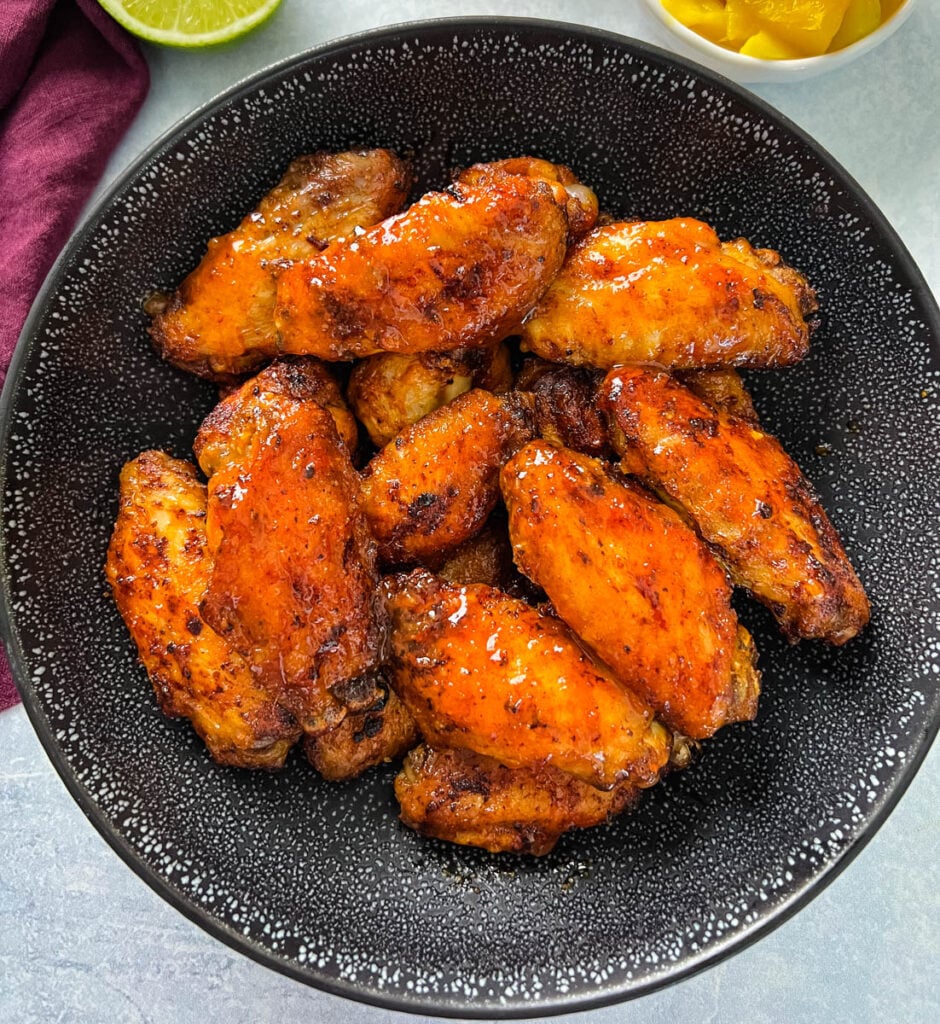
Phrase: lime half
(190, 22)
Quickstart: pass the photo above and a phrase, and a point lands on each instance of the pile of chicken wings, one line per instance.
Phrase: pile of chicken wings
(479, 485)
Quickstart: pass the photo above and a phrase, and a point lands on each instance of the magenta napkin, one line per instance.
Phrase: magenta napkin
(71, 81)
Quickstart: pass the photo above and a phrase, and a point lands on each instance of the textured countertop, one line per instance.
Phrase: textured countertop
(83, 939)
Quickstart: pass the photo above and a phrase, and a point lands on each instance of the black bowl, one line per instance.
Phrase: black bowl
(320, 881)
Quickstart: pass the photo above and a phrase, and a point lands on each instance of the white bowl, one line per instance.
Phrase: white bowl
(741, 68)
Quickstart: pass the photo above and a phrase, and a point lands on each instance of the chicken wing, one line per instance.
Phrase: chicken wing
(458, 269)
(606, 553)
(229, 429)
(486, 558)
(579, 201)
(219, 323)
(475, 801)
(671, 292)
(434, 486)
(485, 672)
(723, 389)
(747, 498)
(566, 410)
(390, 391)
(293, 585)
(364, 738)
(158, 569)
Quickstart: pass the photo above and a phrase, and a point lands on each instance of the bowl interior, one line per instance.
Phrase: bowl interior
(318, 880)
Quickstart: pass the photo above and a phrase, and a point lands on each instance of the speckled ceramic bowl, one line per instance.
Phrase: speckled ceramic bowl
(321, 881)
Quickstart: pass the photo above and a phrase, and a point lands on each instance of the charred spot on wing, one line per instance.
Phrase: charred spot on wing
(419, 506)
(382, 689)
(331, 643)
(371, 728)
(283, 717)
(465, 282)
(360, 693)
(473, 782)
(708, 427)
(348, 319)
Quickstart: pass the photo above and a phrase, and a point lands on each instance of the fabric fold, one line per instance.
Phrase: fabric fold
(71, 82)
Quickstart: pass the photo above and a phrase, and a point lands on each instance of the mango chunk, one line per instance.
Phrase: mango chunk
(767, 46)
(742, 24)
(862, 17)
(706, 17)
(807, 25)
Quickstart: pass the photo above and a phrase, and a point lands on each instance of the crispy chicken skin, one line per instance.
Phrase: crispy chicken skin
(483, 671)
(381, 733)
(723, 389)
(485, 558)
(434, 486)
(158, 569)
(566, 410)
(231, 425)
(464, 798)
(635, 583)
(293, 585)
(579, 201)
(747, 498)
(390, 391)
(458, 269)
(671, 292)
(219, 323)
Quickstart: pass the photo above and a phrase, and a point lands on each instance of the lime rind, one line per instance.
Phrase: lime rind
(224, 33)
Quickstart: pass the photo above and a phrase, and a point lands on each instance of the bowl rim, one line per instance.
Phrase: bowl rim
(402, 1001)
(809, 65)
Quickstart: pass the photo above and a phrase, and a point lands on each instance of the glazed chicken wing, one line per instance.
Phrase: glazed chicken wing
(458, 269)
(434, 486)
(671, 292)
(482, 671)
(381, 733)
(475, 801)
(293, 585)
(747, 498)
(220, 321)
(231, 425)
(158, 569)
(723, 389)
(390, 391)
(579, 201)
(566, 413)
(635, 583)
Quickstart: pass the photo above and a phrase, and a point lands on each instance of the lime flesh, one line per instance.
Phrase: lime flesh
(190, 22)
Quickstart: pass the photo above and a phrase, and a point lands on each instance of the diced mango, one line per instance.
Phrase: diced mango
(742, 24)
(707, 17)
(767, 46)
(783, 29)
(861, 18)
(807, 25)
